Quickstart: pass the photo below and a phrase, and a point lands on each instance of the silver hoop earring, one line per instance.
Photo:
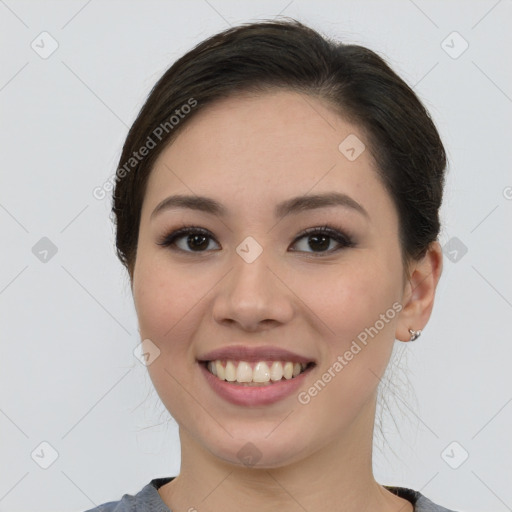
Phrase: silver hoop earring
(414, 334)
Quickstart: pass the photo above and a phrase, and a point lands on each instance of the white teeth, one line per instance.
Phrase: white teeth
(230, 372)
(221, 371)
(288, 370)
(243, 372)
(276, 371)
(261, 373)
(212, 366)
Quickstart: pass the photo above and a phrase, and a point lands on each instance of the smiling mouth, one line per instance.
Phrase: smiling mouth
(260, 373)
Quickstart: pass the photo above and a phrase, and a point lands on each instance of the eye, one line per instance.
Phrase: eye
(321, 238)
(197, 240)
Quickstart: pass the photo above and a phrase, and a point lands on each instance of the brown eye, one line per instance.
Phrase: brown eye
(319, 240)
(195, 239)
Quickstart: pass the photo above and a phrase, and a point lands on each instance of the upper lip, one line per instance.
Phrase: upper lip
(254, 354)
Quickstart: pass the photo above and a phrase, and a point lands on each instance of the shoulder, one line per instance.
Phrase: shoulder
(421, 503)
(147, 499)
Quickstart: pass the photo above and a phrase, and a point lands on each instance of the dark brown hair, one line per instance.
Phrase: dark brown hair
(285, 54)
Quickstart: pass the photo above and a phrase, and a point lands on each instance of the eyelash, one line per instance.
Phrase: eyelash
(343, 239)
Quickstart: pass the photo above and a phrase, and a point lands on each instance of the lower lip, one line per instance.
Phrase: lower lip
(253, 395)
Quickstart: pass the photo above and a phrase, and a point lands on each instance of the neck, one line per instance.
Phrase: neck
(339, 476)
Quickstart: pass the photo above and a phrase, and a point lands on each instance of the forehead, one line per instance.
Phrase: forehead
(252, 149)
(269, 125)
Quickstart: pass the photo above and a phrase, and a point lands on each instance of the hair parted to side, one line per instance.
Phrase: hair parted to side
(285, 54)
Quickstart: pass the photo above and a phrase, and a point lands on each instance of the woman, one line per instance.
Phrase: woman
(277, 210)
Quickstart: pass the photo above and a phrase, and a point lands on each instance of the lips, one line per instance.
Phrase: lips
(249, 386)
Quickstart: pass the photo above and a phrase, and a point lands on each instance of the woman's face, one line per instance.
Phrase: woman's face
(255, 281)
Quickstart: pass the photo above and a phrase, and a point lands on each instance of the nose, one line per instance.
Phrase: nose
(253, 296)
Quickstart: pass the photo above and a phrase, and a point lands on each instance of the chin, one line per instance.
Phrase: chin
(256, 452)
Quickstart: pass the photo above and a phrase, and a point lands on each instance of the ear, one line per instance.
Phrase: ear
(419, 292)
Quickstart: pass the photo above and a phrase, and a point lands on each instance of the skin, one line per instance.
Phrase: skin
(249, 153)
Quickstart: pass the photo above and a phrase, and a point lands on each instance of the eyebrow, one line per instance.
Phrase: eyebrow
(290, 206)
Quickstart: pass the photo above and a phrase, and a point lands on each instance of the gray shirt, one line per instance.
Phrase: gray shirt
(148, 500)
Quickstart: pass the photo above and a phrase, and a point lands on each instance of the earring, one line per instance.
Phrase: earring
(414, 334)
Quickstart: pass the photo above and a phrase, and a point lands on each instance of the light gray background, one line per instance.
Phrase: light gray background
(68, 373)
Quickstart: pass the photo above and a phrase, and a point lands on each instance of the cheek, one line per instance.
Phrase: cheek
(359, 305)
(162, 296)
(348, 300)
(167, 309)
